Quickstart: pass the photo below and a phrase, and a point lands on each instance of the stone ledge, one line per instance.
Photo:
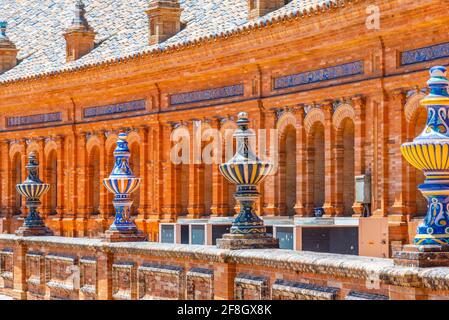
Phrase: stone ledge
(366, 268)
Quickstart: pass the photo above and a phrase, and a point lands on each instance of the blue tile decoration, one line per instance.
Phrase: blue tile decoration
(204, 95)
(33, 119)
(319, 75)
(110, 109)
(430, 53)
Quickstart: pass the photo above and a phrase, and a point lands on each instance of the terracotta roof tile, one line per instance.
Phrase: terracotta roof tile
(37, 27)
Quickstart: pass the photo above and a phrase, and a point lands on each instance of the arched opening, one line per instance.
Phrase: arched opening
(347, 133)
(109, 165)
(287, 171)
(52, 179)
(16, 178)
(93, 175)
(317, 162)
(416, 176)
(134, 162)
(228, 151)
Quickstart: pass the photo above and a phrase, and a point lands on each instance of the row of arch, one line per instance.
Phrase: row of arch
(315, 153)
(214, 195)
(51, 164)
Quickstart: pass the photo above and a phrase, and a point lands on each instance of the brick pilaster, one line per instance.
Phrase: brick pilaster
(359, 146)
(329, 145)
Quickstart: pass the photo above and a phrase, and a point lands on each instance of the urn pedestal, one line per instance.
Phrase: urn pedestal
(122, 182)
(429, 152)
(32, 189)
(246, 171)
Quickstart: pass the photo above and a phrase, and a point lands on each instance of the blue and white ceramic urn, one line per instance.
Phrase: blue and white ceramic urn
(246, 170)
(122, 182)
(32, 189)
(429, 152)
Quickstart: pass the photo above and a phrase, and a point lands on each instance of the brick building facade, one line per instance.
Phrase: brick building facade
(343, 95)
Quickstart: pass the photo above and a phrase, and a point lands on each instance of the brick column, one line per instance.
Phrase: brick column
(81, 183)
(219, 188)
(103, 205)
(73, 181)
(301, 165)
(60, 149)
(169, 177)
(61, 184)
(23, 207)
(339, 152)
(269, 185)
(105, 260)
(103, 208)
(196, 174)
(329, 145)
(158, 134)
(144, 184)
(224, 275)
(359, 147)
(5, 173)
(399, 167)
(380, 181)
(156, 174)
(20, 276)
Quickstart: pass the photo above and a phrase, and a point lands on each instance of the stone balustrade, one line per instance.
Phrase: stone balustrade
(75, 268)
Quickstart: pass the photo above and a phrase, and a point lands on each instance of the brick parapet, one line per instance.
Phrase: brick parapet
(370, 275)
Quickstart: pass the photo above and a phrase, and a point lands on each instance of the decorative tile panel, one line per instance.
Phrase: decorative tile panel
(289, 290)
(158, 282)
(424, 54)
(356, 295)
(62, 277)
(6, 268)
(200, 284)
(111, 109)
(205, 95)
(35, 273)
(88, 277)
(319, 75)
(249, 287)
(33, 119)
(123, 280)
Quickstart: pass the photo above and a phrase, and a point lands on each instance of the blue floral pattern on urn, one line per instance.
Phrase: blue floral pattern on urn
(122, 182)
(429, 152)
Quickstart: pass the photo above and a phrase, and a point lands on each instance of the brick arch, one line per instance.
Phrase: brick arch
(230, 124)
(313, 116)
(344, 111)
(50, 199)
(91, 143)
(49, 147)
(179, 129)
(111, 142)
(133, 137)
(14, 149)
(285, 120)
(33, 146)
(412, 106)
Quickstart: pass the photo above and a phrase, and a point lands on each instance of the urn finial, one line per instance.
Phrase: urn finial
(438, 82)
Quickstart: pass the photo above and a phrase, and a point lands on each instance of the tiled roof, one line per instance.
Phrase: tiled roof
(37, 27)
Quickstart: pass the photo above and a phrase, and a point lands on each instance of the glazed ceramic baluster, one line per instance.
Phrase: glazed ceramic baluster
(246, 170)
(32, 189)
(429, 152)
(122, 182)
